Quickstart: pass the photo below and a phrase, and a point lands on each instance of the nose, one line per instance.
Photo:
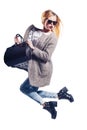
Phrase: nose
(52, 25)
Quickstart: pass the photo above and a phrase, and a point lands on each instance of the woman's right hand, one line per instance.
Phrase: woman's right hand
(17, 40)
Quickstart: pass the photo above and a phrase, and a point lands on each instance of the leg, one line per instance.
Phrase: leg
(62, 94)
(31, 91)
(46, 94)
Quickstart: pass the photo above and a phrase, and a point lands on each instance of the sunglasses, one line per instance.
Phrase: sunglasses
(50, 21)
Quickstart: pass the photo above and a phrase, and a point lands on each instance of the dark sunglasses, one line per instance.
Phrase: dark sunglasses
(50, 21)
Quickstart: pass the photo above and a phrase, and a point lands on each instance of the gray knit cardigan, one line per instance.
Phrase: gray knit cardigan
(40, 66)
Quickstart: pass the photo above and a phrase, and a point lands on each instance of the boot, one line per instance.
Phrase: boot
(50, 107)
(64, 95)
(63, 90)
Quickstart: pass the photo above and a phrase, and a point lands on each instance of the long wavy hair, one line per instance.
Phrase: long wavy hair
(48, 13)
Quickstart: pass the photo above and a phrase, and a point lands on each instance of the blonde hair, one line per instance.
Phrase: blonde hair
(48, 13)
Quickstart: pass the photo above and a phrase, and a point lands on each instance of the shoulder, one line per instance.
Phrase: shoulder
(53, 37)
(29, 29)
(33, 27)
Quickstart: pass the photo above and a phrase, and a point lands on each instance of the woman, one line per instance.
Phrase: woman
(42, 43)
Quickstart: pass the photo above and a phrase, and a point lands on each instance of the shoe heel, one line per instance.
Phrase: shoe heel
(54, 103)
(64, 90)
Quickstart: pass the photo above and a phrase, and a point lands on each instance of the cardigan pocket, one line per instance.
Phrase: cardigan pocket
(45, 69)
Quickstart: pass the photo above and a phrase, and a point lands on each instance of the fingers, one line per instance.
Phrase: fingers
(17, 40)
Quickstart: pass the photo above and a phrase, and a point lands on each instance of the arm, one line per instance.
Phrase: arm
(46, 52)
(39, 53)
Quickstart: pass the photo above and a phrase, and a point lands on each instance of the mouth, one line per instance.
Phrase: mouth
(51, 27)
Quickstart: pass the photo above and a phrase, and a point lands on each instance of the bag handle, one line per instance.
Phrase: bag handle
(18, 35)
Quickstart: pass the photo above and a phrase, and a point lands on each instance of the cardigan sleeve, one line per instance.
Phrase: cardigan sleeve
(45, 54)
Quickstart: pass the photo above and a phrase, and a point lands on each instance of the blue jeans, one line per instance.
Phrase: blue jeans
(34, 93)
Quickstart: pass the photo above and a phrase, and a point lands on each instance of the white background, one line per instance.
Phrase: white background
(19, 112)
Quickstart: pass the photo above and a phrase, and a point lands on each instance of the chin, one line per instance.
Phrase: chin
(49, 29)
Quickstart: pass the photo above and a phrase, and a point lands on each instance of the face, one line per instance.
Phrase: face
(50, 23)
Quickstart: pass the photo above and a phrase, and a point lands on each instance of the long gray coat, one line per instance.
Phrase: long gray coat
(40, 68)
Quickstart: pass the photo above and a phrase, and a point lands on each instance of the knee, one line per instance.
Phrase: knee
(24, 89)
(21, 88)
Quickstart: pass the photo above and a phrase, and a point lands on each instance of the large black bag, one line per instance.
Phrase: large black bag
(16, 54)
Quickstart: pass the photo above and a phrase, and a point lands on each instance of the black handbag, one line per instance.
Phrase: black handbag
(18, 53)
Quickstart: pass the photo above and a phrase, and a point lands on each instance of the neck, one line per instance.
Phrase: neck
(46, 31)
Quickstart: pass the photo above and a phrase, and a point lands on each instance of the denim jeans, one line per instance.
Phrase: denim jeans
(34, 93)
